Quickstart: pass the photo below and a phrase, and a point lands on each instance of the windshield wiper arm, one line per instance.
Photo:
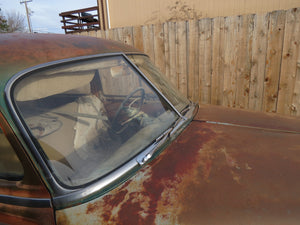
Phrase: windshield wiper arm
(159, 141)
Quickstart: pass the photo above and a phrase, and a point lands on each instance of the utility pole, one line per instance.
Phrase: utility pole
(27, 13)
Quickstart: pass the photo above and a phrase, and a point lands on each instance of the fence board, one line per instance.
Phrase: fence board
(217, 61)
(232, 29)
(181, 53)
(258, 61)
(249, 61)
(244, 62)
(137, 33)
(172, 54)
(204, 61)
(192, 74)
(148, 43)
(159, 47)
(295, 104)
(273, 61)
(126, 35)
(290, 56)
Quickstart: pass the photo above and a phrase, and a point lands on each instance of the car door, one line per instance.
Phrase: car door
(24, 198)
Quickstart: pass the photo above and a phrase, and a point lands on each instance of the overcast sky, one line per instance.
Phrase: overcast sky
(45, 17)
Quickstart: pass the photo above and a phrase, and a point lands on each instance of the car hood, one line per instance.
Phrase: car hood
(227, 167)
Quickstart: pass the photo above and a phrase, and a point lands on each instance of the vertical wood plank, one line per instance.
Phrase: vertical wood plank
(148, 44)
(109, 34)
(274, 52)
(217, 61)
(125, 35)
(232, 44)
(295, 106)
(244, 61)
(167, 49)
(92, 33)
(138, 38)
(204, 61)
(258, 61)
(159, 47)
(289, 70)
(181, 56)
(192, 74)
(116, 36)
(100, 34)
(172, 54)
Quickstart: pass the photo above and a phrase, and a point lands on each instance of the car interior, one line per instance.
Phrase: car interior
(94, 116)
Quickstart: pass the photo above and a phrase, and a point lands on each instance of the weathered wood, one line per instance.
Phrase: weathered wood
(148, 43)
(126, 35)
(217, 61)
(295, 104)
(244, 55)
(167, 50)
(232, 29)
(100, 34)
(181, 56)
(290, 56)
(138, 38)
(159, 48)
(249, 61)
(204, 61)
(172, 75)
(258, 61)
(192, 51)
(274, 52)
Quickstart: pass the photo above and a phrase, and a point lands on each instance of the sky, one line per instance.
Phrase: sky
(45, 17)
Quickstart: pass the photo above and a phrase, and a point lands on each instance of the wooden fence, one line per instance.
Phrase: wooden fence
(248, 61)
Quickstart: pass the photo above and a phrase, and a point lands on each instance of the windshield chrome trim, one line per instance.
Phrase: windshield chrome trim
(70, 196)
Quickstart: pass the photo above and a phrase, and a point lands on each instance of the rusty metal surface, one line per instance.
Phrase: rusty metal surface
(248, 118)
(15, 193)
(211, 174)
(20, 51)
(25, 215)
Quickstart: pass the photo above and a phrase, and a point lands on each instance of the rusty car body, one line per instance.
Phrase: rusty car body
(92, 133)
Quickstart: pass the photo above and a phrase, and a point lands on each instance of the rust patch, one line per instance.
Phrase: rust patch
(253, 180)
(167, 172)
(212, 174)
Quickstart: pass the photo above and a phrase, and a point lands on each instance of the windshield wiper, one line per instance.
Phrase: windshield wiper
(185, 109)
(159, 141)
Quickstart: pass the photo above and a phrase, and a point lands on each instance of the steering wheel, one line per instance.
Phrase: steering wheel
(118, 125)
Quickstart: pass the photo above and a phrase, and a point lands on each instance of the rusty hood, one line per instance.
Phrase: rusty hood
(227, 167)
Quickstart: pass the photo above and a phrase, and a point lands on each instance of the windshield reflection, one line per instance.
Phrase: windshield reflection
(91, 117)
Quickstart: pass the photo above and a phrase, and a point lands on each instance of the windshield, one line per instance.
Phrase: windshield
(160, 81)
(92, 116)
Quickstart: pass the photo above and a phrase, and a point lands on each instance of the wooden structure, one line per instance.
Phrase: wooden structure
(82, 20)
(250, 61)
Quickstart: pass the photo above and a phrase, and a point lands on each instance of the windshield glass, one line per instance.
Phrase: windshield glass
(160, 81)
(91, 116)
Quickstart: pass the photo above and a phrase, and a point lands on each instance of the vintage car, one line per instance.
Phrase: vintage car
(92, 133)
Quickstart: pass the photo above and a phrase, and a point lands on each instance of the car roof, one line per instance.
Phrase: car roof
(21, 51)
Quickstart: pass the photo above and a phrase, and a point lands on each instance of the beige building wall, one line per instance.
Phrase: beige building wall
(124, 13)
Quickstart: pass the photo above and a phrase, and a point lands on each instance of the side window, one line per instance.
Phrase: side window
(10, 165)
